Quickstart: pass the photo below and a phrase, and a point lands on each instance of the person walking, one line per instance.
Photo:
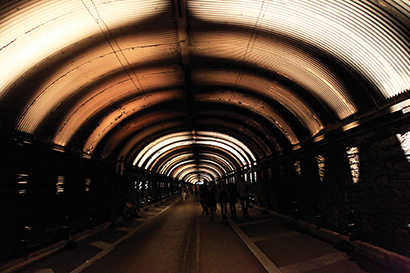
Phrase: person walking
(223, 198)
(203, 194)
(211, 199)
(243, 191)
(184, 194)
(233, 195)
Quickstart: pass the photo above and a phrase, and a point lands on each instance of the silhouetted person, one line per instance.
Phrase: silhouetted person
(196, 192)
(203, 195)
(233, 194)
(223, 198)
(243, 191)
(184, 194)
(211, 198)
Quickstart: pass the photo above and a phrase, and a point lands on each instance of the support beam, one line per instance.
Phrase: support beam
(182, 22)
(183, 38)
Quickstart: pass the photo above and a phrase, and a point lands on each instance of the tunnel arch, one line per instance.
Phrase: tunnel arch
(301, 81)
(252, 86)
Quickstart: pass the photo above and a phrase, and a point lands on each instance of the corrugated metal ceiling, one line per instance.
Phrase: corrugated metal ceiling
(110, 78)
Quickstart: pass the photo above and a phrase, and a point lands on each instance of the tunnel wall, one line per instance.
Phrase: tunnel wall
(383, 198)
(56, 195)
(375, 209)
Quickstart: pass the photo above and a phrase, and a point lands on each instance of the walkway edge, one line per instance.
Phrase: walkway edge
(384, 257)
(263, 259)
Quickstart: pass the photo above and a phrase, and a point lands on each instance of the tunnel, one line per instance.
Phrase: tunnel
(307, 101)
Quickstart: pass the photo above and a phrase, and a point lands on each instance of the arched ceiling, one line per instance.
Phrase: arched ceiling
(197, 89)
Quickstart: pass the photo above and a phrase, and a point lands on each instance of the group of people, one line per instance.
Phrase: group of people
(224, 194)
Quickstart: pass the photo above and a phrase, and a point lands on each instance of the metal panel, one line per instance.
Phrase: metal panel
(71, 67)
(354, 31)
(53, 25)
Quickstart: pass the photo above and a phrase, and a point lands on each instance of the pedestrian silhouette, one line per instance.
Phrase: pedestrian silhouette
(223, 198)
(243, 191)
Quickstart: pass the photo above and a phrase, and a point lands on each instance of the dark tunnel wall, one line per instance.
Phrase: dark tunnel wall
(374, 209)
(59, 194)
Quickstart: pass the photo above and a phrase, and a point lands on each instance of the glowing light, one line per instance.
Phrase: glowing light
(353, 156)
(351, 125)
(172, 161)
(87, 184)
(319, 138)
(59, 149)
(157, 144)
(186, 163)
(186, 172)
(296, 147)
(22, 183)
(403, 106)
(157, 148)
(183, 167)
(320, 160)
(298, 168)
(405, 144)
(60, 184)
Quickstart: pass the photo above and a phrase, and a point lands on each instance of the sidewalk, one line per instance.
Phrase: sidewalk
(102, 230)
(306, 248)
